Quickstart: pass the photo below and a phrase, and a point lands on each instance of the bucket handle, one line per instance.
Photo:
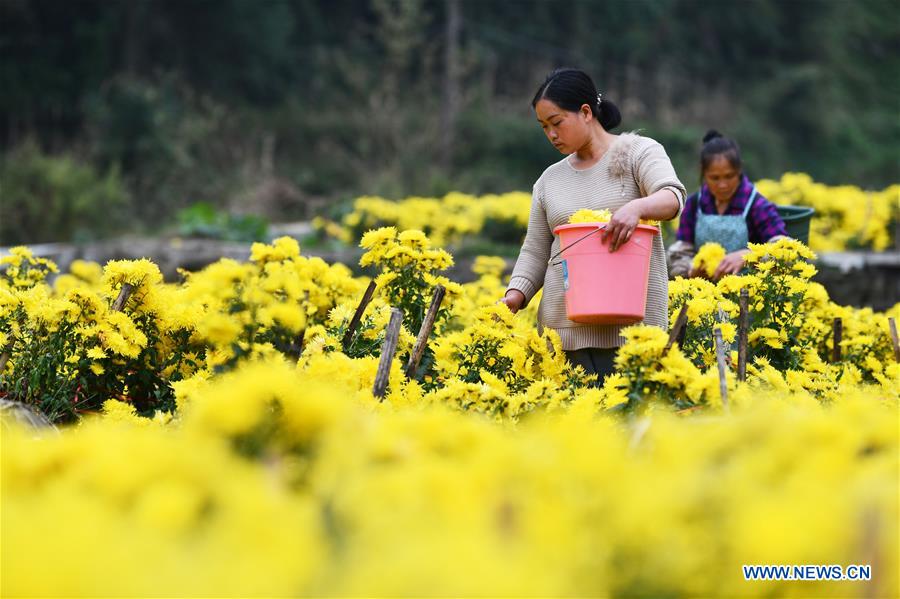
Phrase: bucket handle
(582, 238)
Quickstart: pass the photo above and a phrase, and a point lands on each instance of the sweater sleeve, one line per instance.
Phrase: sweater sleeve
(653, 171)
(680, 258)
(531, 266)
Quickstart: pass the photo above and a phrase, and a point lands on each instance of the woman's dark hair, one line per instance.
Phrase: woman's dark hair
(570, 89)
(715, 145)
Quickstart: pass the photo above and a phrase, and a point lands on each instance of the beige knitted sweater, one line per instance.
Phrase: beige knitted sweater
(633, 167)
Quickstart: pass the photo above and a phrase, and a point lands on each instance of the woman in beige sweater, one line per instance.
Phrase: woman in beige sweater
(628, 174)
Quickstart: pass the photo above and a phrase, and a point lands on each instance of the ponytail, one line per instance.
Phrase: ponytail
(716, 145)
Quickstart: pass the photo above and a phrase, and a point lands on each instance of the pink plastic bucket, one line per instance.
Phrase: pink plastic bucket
(603, 287)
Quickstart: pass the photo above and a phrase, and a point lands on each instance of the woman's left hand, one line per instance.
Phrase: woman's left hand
(622, 225)
(731, 264)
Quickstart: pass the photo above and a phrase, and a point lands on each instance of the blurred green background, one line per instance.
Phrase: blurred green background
(125, 116)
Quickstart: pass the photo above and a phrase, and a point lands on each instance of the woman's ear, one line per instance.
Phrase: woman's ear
(586, 113)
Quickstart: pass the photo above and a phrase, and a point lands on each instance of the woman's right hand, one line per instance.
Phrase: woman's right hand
(513, 300)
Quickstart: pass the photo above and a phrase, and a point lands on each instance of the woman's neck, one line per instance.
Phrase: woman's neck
(597, 145)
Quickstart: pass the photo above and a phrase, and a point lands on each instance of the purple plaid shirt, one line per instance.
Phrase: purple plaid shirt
(763, 220)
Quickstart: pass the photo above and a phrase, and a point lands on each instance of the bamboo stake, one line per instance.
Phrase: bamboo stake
(387, 353)
(836, 346)
(677, 329)
(720, 360)
(357, 316)
(743, 323)
(891, 323)
(425, 331)
(124, 294)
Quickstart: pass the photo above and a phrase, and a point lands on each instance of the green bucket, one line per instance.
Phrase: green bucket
(796, 221)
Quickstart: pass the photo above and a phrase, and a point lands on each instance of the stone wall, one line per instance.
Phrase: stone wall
(861, 278)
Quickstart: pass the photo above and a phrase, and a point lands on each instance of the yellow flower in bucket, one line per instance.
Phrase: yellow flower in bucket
(586, 215)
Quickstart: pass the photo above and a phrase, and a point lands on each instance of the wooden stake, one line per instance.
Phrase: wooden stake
(676, 330)
(425, 331)
(720, 360)
(721, 314)
(124, 294)
(4, 358)
(387, 353)
(357, 316)
(296, 347)
(871, 551)
(891, 323)
(836, 346)
(723, 318)
(743, 324)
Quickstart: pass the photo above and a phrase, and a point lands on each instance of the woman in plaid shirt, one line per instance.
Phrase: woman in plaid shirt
(727, 210)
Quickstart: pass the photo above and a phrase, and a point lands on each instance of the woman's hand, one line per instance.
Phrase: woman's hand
(731, 264)
(513, 300)
(622, 225)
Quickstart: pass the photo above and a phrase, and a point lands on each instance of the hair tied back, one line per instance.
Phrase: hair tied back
(711, 135)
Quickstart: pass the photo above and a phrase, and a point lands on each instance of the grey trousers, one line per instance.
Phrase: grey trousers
(594, 360)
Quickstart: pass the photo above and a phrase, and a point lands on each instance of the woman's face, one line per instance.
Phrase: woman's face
(721, 178)
(567, 131)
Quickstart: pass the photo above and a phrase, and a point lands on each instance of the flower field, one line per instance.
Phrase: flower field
(220, 436)
(846, 217)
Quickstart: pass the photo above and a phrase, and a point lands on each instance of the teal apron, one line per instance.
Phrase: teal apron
(728, 230)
